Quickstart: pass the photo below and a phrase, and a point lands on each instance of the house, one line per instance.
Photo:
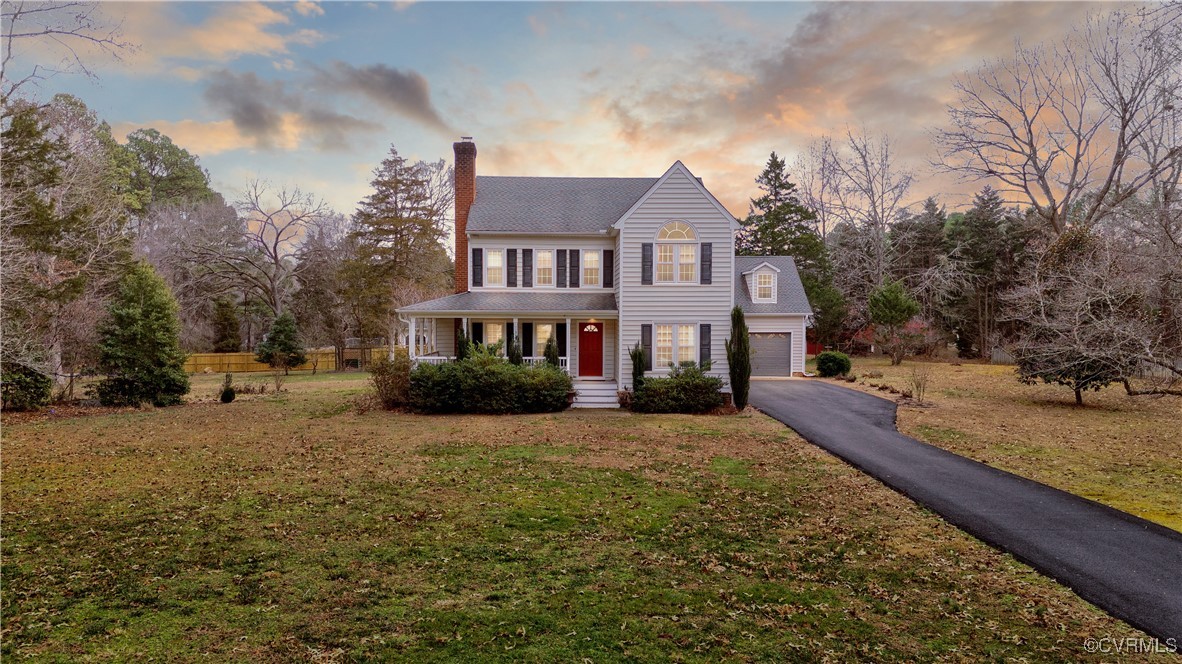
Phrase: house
(603, 264)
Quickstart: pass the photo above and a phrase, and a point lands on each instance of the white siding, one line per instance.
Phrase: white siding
(445, 336)
(676, 198)
(785, 323)
(535, 242)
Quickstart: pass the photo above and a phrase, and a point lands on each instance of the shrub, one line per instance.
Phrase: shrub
(514, 351)
(639, 362)
(391, 379)
(920, 375)
(228, 392)
(687, 389)
(833, 363)
(24, 388)
(139, 348)
(551, 352)
(281, 348)
(463, 345)
(487, 385)
(738, 357)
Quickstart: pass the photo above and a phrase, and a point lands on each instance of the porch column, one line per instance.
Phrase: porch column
(412, 348)
(568, 346)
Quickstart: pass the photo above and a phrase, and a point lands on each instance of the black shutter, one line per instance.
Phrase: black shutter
(646, 343)
(609, 276)
(560, 281)
(527, 338)
(707, 263)
(574, 268)
(561, 334)
(703, 345)
(646, 263)
(511, 265)
(477, 267)
(527, 268)
(477, 333)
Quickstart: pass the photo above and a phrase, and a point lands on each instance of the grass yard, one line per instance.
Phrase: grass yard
(293, 527)
(1125, 452)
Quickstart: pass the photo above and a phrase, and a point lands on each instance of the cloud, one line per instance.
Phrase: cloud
(405, 92)
(308, 8)
(201, 138)
(272, 117)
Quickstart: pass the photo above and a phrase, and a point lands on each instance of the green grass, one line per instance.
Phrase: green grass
(293, 528)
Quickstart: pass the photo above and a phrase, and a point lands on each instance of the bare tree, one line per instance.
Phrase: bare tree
(275, 223)
(819, 180)
(63, 31)
(1076, 127)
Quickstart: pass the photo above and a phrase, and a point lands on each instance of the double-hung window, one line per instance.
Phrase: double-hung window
(544, 259)
(686, 351)
(494, 267)
(493, 332)
(542, 334)
(674, 344)
(591, 267)
(663, 355)
(677, 253)
(764, 282)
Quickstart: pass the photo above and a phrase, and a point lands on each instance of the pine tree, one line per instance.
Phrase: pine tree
(227, 335)
(140, 349)
(891, 307)
(282, 349)
(738, 358)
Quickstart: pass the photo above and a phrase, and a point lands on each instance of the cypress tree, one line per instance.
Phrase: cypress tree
(738, 357)
(227, 337)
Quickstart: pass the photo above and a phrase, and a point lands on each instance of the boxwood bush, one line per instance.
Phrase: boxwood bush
(833, 363)
(686, 389)
(24, 388)
(477, 385)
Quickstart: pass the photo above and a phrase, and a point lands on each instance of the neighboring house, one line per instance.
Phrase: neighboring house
(603, 264)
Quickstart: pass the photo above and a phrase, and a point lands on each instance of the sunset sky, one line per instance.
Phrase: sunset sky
(314, 93)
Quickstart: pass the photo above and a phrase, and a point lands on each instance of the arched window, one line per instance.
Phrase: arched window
(677, 253)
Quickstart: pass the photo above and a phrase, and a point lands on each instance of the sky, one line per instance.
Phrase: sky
(314, 94)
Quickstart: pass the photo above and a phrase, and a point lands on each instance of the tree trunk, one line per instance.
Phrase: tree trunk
(1078, 397)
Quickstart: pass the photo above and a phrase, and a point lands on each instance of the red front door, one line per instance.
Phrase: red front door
(590, 349)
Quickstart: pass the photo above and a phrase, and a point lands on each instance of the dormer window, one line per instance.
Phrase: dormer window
(677, 253)
(765, 287)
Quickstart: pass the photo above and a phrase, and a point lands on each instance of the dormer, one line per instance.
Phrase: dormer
(762, 283)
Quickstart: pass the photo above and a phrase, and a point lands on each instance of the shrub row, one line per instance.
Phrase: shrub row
(686, 389)
(478, 385)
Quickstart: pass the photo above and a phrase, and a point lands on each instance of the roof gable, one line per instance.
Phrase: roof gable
(678, 167)
(790, 295)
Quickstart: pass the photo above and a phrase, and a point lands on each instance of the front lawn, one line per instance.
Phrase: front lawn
(1125, 452)
(291, 527)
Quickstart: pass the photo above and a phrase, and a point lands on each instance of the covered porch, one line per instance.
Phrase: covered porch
(583, 326)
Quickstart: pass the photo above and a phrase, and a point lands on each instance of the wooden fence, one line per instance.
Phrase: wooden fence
(324, 359)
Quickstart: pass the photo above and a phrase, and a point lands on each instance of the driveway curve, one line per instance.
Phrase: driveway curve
(1128, 566)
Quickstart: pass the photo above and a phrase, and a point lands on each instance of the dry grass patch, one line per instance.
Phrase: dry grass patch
(1125, 452)
(289, 527)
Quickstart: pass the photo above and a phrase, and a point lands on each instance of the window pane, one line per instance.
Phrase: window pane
(685, 343)
(664, 262)
(545, 268)
(664, 350)
(542, 332)
(676, 230)
(591, 268)
(764, 286)
(686, 264)
(494, 272)
(493, 332)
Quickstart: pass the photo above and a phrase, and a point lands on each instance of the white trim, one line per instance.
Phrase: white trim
(761, 265)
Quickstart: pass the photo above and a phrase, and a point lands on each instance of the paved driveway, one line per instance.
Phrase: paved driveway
(1125, 565)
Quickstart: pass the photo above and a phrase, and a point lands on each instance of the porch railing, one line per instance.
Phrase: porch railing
(531, 361)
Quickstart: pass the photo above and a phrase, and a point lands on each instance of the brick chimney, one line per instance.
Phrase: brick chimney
(465, 193)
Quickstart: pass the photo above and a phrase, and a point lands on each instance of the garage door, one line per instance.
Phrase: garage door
(771, 353)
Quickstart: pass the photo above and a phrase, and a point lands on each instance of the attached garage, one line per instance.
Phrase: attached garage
(771, 353)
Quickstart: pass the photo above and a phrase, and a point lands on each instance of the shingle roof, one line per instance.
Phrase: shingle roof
(552, 205)
(790, 297)
(509, 302)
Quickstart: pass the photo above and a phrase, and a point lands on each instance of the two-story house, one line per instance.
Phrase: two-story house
(604, 264)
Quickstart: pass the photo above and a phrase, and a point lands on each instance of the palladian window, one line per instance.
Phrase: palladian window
(677, 253)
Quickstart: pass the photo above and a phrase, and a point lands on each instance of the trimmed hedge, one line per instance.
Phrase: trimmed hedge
(481, 386)
(685, 390)
(24, 388)
(833, 363)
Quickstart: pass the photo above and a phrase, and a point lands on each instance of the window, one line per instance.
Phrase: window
(545, 268)
(493, 332)
(494, 268)
(542, 334)
(590, 268)
(764, 284)
(685, 344)
(677, 253)
(664, 352)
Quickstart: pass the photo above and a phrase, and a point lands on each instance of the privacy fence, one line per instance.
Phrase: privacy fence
(321, 359)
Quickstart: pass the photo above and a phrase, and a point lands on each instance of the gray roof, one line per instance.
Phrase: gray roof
(790, 297)
(552, 205)
(509, 302)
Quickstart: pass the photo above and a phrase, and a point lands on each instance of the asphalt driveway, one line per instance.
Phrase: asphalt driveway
(1126, 565)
